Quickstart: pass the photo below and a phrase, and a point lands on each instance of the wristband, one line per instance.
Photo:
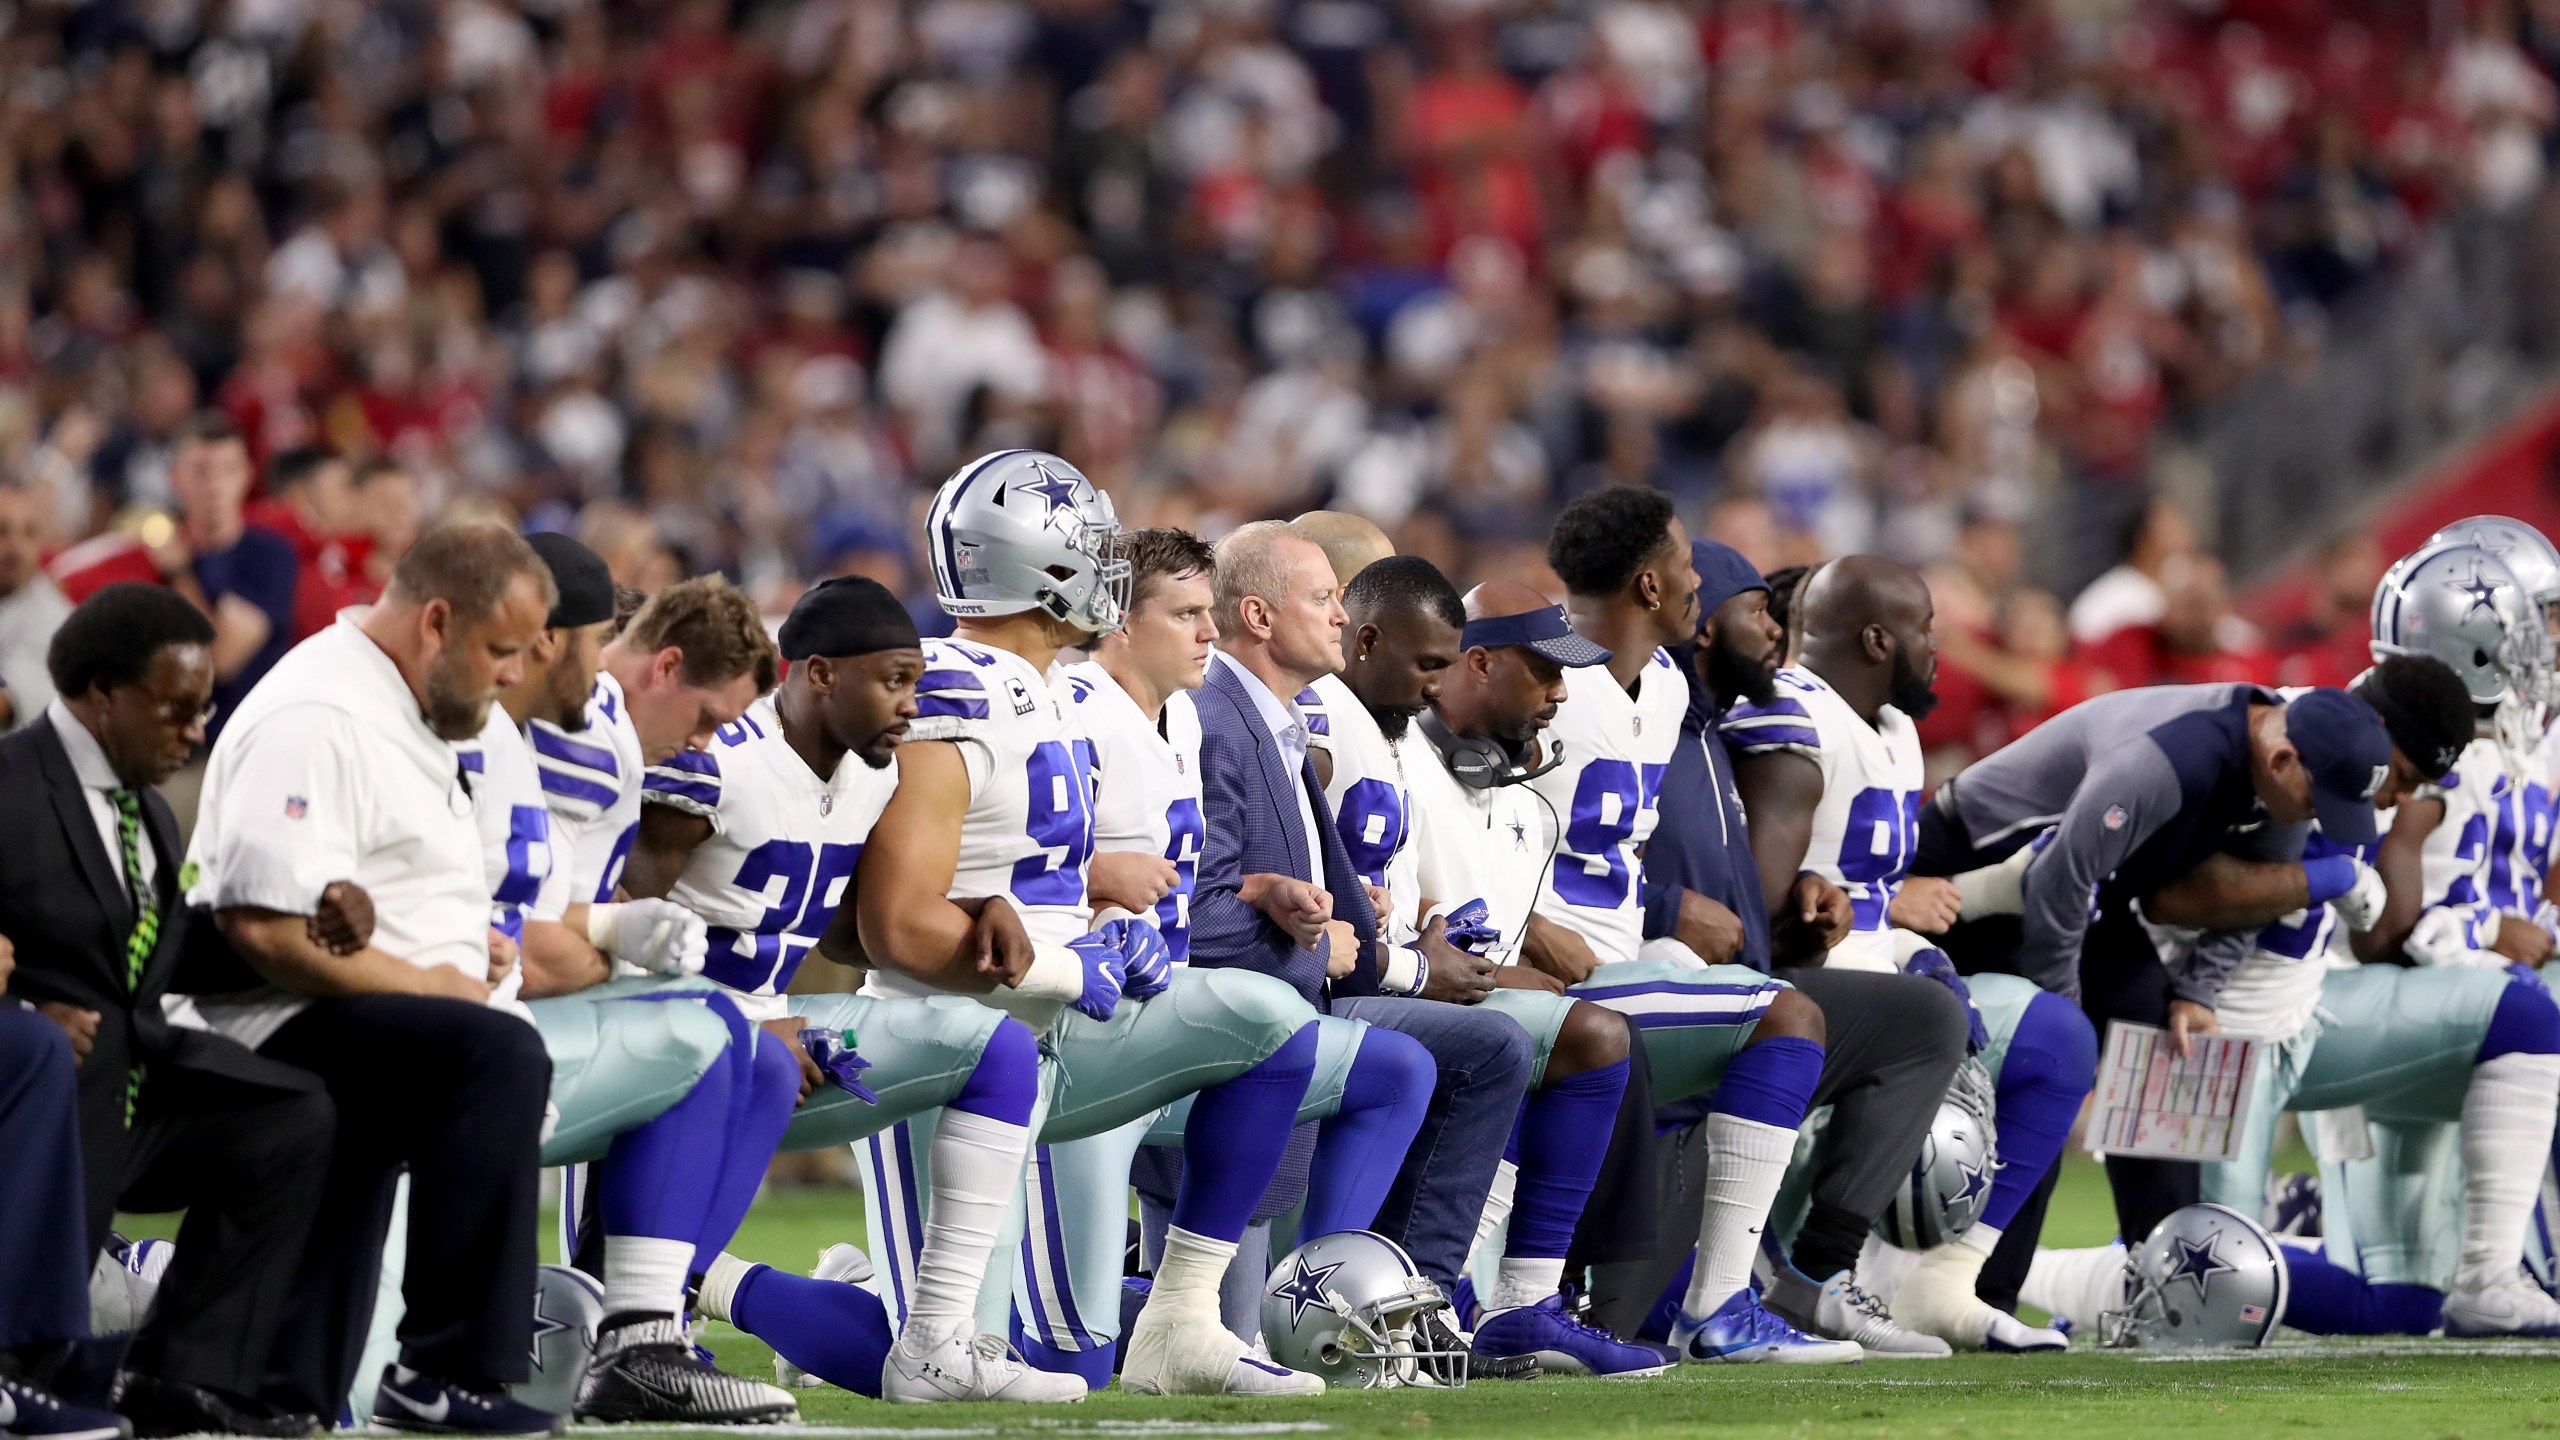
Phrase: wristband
(601, 922)
(1056, 973)
(2329, 877)
(1402, 969)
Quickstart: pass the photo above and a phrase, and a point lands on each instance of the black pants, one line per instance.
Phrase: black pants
(2121, 978)
(454, 1093)
(1891, 1046)
(248, 1166)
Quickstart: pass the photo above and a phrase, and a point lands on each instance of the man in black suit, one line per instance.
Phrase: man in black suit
(170, 1117)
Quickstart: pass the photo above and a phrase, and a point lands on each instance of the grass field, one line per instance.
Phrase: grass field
(2425, 1390)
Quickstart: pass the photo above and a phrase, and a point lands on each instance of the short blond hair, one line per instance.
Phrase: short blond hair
(1252, 561)
(717, 627)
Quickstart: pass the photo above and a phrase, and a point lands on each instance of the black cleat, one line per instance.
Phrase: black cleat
(645, 1373)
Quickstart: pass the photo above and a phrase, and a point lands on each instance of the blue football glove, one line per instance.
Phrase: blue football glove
(1469, 928)
(1934, 965)
(1105, 973)
(837, 1061)
(1145, 960)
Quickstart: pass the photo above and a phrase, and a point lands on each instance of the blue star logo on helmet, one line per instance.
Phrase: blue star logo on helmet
(1050, 486)
(2198, 1262)
(2483, 592)
(1304, 1288)
(1975, 1181)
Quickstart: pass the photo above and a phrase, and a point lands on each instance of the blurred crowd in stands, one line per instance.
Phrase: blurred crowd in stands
(730, 284)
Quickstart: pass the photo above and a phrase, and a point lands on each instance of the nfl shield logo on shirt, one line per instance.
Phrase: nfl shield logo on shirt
(2114, 818)
(1636, 724)
(826, 805)
(295, 807)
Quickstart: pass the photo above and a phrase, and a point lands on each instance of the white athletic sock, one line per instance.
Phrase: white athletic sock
(1746, 1160)
(1978, 1236)
(2076, 1285)
(2506, 1139)
(977, 1167)
(1191, 1270)
(1497, 1206)
(1525, 1280)
(645, 1275)
(720, 1284)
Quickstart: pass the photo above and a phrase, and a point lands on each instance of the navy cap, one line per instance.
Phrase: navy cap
(580, 575)
(1722, 574)
(2348, 752)
(1546, 631)
(848, 615)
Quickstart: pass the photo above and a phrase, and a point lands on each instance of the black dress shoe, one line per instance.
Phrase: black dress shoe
(160, 1407)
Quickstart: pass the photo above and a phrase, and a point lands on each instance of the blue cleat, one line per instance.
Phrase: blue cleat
(29, 1410)
(1548, 1335)
(422, 1404)
(1743, 1333)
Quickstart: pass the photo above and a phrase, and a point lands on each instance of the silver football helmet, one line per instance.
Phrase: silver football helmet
(1950, 1181)
(2525, 551)
(2462, 605)
(1021, 530)
(568, 1309)
(2209, 1277)
(1345, 1306)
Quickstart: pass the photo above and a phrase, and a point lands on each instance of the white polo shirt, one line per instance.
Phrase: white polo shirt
(328, 772)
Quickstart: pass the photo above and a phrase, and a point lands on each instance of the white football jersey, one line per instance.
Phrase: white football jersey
(2276, 988)
(1868, 819)
(2455, 855)
(1028, 832)
(783, 845)
(1616, 745)
(1492, 845)
(515, 820)
(2521, 841)
(1147, 789)
(1371, 801)
(591, 778)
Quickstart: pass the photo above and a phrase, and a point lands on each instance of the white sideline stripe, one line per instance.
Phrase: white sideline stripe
(1062, 1427)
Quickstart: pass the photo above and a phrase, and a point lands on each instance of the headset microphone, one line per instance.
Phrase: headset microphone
(1477, 763)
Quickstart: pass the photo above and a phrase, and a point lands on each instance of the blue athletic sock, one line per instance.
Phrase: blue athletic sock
(2051, 1067)
(654, 1182)
(1770, 1082)
(1093, 1365)
(1361, 1147)
(2526, 1022)
(765, 1089)
(1563, 1134)
(2326, 1299)
(837, 1332)
(1006, 1083)
(1234, 1139)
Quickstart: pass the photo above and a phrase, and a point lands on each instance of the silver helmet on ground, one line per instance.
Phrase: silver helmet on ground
(1023, 530)
(2208, 1277)
(1347, 1306)
(568, 1310)
(1950, 1180)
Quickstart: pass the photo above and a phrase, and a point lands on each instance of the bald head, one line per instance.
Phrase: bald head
(1867, 625)
(1350, 542)
(1496, 598)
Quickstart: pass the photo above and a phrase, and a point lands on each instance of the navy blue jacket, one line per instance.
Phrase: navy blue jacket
(1702, 841)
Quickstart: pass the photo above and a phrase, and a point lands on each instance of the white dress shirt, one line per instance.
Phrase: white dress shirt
(98, 784)
(1281, 718)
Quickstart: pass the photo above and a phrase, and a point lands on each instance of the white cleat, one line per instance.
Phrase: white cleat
(840, 1262)
(1187, 1352)
(1937, 1298)
(2507, 1306)
(969, 1366)
(1846, 1312)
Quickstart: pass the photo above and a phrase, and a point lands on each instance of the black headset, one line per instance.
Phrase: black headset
(1480, 764)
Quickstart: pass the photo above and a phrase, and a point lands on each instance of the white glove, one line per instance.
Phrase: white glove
(2442, 937)
(658, 936)
(1997, 889)
(2361, 907)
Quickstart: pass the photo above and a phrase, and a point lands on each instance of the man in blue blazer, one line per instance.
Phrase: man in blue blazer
(1277, 893)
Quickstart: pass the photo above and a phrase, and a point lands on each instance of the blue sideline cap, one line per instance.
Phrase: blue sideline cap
(1545, 631)
(2348, 752)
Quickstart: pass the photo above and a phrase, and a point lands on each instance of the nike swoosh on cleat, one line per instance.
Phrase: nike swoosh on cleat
(433, 1414)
